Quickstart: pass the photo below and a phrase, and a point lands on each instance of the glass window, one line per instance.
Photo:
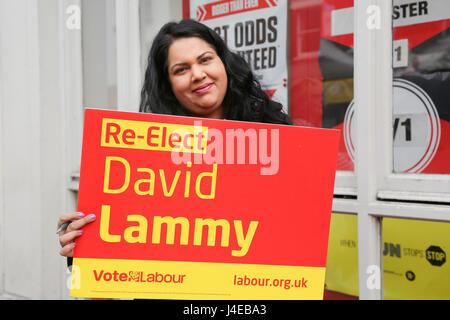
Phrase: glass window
(322, 68)
(257, 32)
(421, 95)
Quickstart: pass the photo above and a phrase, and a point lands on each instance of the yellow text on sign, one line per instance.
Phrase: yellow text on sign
(119, 278)
(143, 135)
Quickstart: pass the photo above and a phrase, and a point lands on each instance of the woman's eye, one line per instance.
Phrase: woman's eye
(205, 59)
(180, 70)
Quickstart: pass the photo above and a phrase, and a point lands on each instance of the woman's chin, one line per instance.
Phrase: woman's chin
(209, 111)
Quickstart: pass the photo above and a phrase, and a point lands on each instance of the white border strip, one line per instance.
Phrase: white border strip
(342, 19)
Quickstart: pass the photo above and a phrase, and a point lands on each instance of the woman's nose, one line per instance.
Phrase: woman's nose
(198, 73)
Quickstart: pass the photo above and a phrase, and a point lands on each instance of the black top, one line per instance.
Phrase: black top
(273, 113)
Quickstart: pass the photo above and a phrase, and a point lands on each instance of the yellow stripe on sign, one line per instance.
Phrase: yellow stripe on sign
(130, 134)
(101, 278)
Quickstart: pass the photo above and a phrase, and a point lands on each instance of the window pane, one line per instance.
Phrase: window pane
(322, 67)
(421, 90)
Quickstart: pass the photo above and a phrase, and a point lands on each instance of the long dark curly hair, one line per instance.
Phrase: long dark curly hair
(244, 99)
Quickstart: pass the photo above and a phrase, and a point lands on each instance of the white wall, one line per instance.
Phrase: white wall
(34, 171)
(32, 148)
(42, 96)
(20, 150)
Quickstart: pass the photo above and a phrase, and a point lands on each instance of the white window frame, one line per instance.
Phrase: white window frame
(72, 102)
(72, 75)
(415, 187)
(128, 55)
(345, 184)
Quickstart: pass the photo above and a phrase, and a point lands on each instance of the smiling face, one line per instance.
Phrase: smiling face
(198, 77)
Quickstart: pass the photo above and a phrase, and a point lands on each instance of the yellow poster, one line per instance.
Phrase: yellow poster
(414, 258)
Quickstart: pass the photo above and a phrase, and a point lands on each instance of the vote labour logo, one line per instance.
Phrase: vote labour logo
(435, 255)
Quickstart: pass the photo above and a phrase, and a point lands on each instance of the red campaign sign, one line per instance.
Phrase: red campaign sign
(268, 188)
(300, 191)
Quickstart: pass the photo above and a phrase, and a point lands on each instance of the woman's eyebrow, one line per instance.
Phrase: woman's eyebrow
(204, 53)
(185, 63)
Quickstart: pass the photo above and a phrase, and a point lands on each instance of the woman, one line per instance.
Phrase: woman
(191, 72)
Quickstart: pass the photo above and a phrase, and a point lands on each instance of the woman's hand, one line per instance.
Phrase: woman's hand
(67, 237)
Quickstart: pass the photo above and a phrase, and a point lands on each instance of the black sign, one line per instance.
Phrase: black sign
(435, 255)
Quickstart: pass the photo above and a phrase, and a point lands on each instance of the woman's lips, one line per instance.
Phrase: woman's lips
(203, 89)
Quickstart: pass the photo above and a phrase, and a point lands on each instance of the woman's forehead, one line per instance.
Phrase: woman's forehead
(184, 49)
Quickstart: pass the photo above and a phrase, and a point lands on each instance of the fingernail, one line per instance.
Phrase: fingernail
(80, 231)
(73, 244)
(81, 215)
(92, 217)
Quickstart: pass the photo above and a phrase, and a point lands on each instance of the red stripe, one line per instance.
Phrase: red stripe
(186, 9)
(228, 11)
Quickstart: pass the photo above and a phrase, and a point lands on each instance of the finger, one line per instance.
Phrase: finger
(69, 237)
(67, 251)
(75, 225)
(69, 217)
